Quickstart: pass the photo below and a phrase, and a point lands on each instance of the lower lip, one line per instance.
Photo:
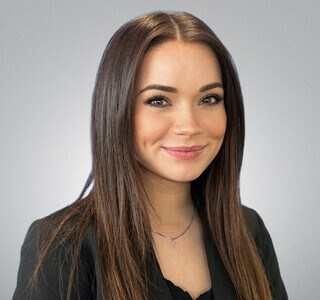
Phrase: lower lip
(184, 154)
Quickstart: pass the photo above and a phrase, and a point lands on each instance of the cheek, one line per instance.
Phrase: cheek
(216, 125)
(149, 127)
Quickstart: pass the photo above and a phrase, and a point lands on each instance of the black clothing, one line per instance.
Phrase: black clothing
(178, 293)
(89, 286)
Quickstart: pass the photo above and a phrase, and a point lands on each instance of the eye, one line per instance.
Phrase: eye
(213, 99)
(156, 101)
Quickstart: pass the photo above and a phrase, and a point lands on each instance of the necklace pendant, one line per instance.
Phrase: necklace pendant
(173, 243)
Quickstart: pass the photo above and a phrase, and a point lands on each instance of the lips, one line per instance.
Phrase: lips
(191, 152)
(185, 148)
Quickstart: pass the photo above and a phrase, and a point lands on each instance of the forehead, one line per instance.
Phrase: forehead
(178, 63)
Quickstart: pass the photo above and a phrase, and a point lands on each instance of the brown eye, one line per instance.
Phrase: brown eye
(211, 100)
(156, 101)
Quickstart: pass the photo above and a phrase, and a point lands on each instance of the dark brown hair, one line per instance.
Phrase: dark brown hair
(116, 205)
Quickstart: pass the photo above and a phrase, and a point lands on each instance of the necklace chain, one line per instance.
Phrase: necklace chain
(172, 240)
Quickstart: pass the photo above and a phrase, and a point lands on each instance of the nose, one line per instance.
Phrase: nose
(186, 122)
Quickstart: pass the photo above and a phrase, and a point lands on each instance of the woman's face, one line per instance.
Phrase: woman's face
(179, 103)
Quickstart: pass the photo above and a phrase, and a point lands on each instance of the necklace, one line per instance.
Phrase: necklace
(172, 240)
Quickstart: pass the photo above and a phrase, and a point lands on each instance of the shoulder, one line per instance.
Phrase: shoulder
(254, 223)
(258, 232)
(266, 250)
(57, 265)
(43, 229)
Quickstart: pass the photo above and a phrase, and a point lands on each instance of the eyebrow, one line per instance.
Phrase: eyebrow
(171, 89)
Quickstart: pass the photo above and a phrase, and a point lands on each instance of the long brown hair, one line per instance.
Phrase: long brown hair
(116, 205)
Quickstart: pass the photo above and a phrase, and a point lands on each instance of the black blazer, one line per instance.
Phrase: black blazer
(88, 288)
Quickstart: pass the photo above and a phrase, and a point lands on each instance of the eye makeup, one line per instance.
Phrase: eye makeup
(161, 97)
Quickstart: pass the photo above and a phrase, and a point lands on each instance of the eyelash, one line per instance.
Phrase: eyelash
(162, 97)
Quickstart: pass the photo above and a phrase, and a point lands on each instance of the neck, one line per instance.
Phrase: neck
(171, 206)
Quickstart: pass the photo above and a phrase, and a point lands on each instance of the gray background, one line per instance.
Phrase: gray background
(49, 55)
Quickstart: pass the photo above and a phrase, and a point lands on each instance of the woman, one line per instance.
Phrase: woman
(163, 219)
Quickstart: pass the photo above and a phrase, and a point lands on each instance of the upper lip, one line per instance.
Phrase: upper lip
(184, 148)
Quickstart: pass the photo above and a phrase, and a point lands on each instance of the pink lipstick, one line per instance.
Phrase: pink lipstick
(185, 152)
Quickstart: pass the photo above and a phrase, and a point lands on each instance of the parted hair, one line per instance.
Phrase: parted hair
(116, 205)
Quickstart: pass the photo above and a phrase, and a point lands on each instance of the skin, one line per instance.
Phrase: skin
(183, 120)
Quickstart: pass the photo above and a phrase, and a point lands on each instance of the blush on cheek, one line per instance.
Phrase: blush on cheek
(215, 126)
(221, 129)
(154, 125)
(148, 129)
(220, 123)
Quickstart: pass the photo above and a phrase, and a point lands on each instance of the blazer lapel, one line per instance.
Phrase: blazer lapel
(221, 284)
(157, 286)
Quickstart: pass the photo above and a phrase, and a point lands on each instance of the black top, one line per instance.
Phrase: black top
(91, 282)
(179, 294)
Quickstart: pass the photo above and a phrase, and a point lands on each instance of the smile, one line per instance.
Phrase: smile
(184, 154)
